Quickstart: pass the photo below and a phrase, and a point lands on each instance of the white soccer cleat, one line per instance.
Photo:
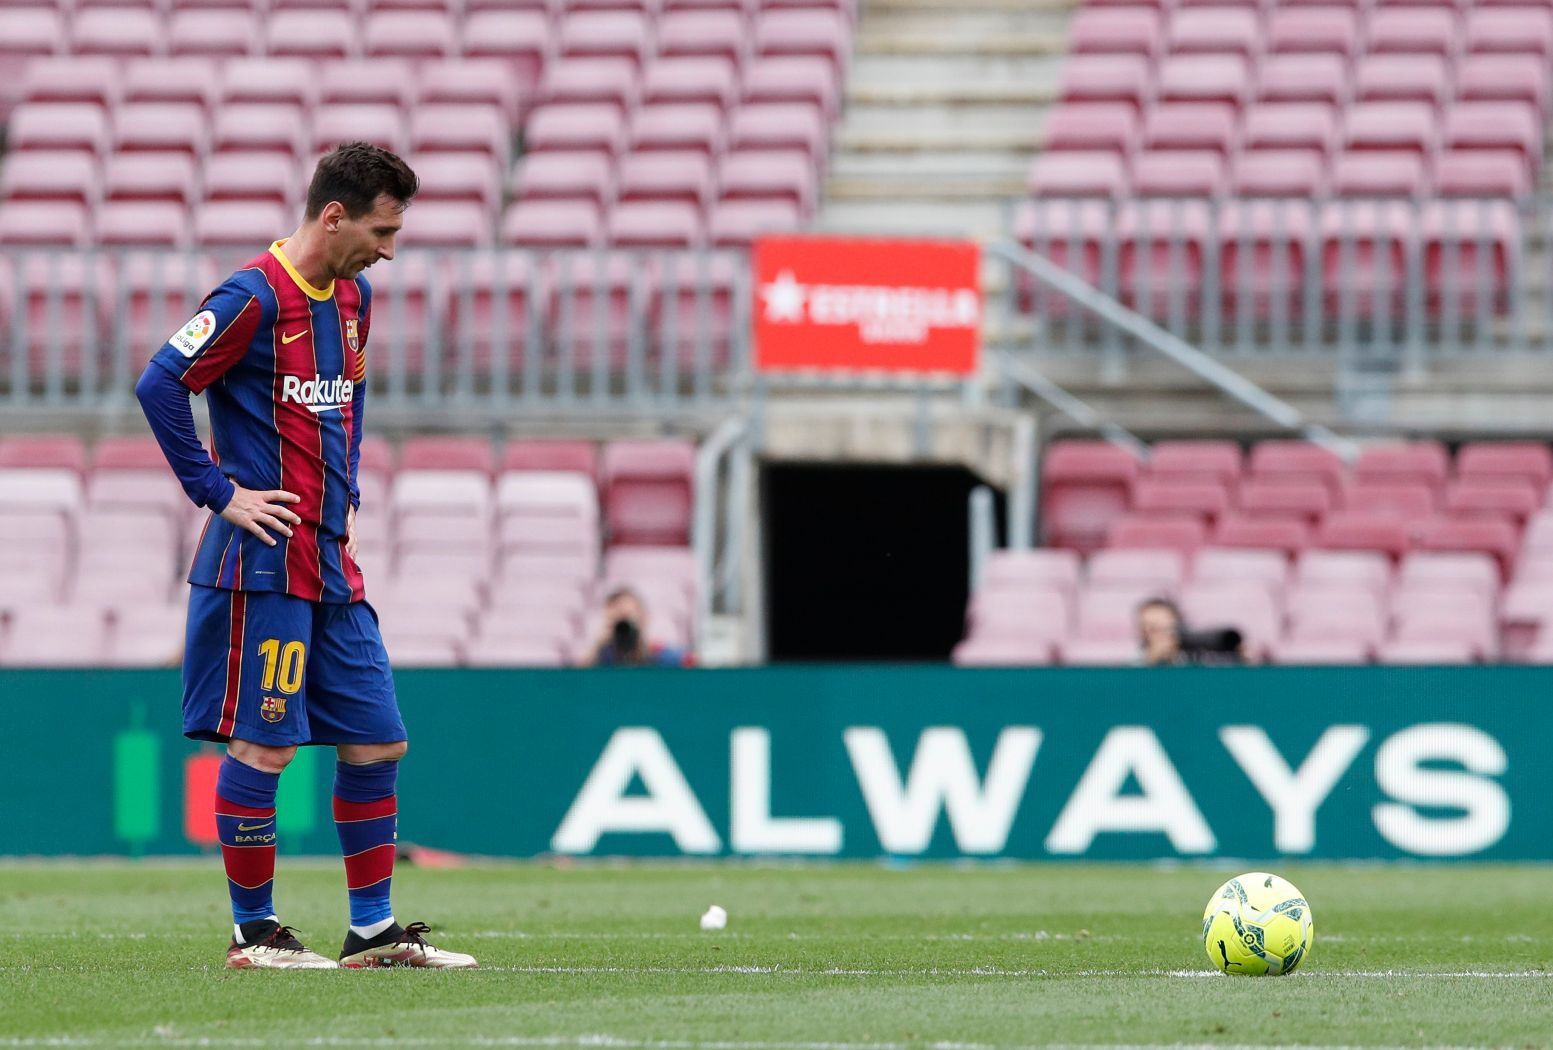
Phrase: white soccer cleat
(268, 945)
(401, 946)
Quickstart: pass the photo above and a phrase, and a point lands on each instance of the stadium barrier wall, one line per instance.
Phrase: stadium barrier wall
(1356, 763)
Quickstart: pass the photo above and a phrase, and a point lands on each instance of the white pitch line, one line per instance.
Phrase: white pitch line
(612, 1042)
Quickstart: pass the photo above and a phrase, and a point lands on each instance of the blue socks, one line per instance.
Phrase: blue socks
(245, 827)
(366, 815)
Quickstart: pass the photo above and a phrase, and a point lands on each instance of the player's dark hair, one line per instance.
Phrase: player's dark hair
(355, 174)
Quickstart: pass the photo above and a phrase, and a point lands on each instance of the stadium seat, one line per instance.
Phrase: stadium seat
(1084, 486)
(692, 80)
(1203, 78)
(1115, 31)
(1379, 173)
(448, 224)
(1321, 651)
(1329, 30)
(1402, 78)
(460, 128)
(801, 79)
(1159, 569)
(1216, 30)
(1455, 626)
(1325, 611)
(167, 177)
(316, 34)
(1368, 570)
(736, 223)
(1303, 78)
(1512, 499)
(768, 175)
(1040, 568)
(56, 636)
(1284, 497)
(598, 128)
(1484, 535)
(582, 81)
(1178, 173)
(1426, 652)
(147, 635)
(1481, 173)
(551, 455)
(563, 496)
(663, 175)
(1499, 459)
(647, 489)
(469, 81)
(368, 82)
(127, 453)
(90, 79)
(432, 490)
(1241, 605)
(654, 224)
(161, 224)
(785, 125)
(378, 123)
(1405, 500)
(245, 224)
(447, 453)
(1110, 612)
(1524, 614)
(1519, 30)
(1412, 30)
(1171, 532)
(1190, 126)
(259, 128)
(58, 126)
(520, 40)
(552, 224)
(1290, 126)
(422, 35)
(49, 175)
(1515, 78)
(156, 126)
(703, 34)
(638, 565)
(564, 175)
(595, 34)
(1205, 500)
(820, 32)
(1475, 574)
(1098, 652)
(1092, 126)
(270, 81)
(1105, 78)
(1216, 461)
(1077, 174)
(1296, 461)
(60, 452)
(1423, 462)
(1347, 530)
(1267, 569)
(1003, 652)
(1498, 125)
(1034, 615)
(122, 32)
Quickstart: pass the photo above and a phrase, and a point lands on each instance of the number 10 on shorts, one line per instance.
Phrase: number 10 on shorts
(282, 665)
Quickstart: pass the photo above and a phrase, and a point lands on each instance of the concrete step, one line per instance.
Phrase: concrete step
(969, 26)
(929, 41)
(901, 8)
(945, 175)
(915, 215)
(945, 73)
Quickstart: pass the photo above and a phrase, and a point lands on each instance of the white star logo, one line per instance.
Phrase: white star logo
(784, 299)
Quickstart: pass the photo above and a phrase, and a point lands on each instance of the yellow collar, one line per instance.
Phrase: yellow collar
(312, 293)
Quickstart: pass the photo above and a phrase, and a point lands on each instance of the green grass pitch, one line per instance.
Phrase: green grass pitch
(845, 957)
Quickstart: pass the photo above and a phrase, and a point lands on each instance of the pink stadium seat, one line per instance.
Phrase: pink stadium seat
(779, 126)
(127, 453)
(270, 177)
(1405, 78)
(56, 636)
(1098, 652)
(670, 567)
(1498, 125)
(567, 175)
(275, 81)
(1462, 238)
(1214, 29)
(119, 31)
(148, 493)
(794, 79)
(1364, 246)
(89, 79)
(58, 126)
(364, 82)
(409, 34)
(822, 33)
(168, 177)
(447, 453)
(1035, 569)
(596, 33)
(1077, 174)
(693, 79)
(1391, 173)
(703, 34)
(766, 175)
(445, 128)
(1297, 461)
(614, 80)
(1031, 614)
(1290, 125)
(1190, 126)
(29, 32)
(734, 224)
(470, 177)
(1413, 30)
(1321, 651)
(599, 128)
(1110, 612)
(1474, 574)
(1406, 500)
(1218, 461)
(1524, 615)
(442, 489)
(449, 224)
(1498, 459)
(246, 224)
(1169, 532)
(1203, 78)
(1107, 126)
(1482, 535)
(377, 123)
(1161, 569)
(551, 455)
(1115, 30)
(519, 39)
(1178, 173)
(1427, 652)
(1538, 536)
(43, 224)
(259, 128)
(1267, 569)
(1333, 29)
(1002, 652)
(49, 175)
(1513, 499)
(1365, 569)
(1425, 462)
(147, 636)
(60, 452)
(1346, 530)
(317, 34)
(1436, 625)
(647, 491)
(470, 81)
(1303, 78)
(1085, 485)
(1390, 126)
(1510, 31)
(654, 224)
(1243, 606)
(664, 175)
(552, 224)
(1205, 500)
(163, 127)
(201, 33)
(1105, 78)
(1325, 611)
(144, 223)
(568, 497)
(1518, 78)
(1481, 173)
(1306, 501)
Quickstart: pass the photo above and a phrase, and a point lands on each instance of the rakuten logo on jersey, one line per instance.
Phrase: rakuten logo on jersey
(317, 394)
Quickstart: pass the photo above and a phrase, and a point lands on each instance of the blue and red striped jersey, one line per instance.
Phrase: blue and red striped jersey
(283, 367)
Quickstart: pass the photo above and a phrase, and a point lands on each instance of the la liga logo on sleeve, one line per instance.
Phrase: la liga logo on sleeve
(195, 334)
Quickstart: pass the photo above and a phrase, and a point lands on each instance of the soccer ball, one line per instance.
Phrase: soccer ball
(1257, 924)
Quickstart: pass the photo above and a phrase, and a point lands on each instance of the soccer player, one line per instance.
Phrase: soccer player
(282, 648)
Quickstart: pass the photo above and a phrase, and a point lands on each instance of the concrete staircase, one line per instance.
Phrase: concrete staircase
(946, 104)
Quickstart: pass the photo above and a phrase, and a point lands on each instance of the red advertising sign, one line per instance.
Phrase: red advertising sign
(842, 304)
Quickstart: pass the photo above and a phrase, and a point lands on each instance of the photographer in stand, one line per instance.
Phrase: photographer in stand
(1164, 640)
(623, 641)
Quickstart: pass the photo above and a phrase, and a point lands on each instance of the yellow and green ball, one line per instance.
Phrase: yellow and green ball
(1257, 924)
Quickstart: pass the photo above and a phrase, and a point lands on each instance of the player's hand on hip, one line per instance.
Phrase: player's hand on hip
(261, 511)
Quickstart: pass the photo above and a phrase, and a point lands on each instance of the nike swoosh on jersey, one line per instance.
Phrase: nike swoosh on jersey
(288, 339)
(254, 827)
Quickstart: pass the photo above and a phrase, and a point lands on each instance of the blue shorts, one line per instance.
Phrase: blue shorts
(278, 670)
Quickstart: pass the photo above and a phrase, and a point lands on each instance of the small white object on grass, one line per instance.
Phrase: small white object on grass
(714, 919)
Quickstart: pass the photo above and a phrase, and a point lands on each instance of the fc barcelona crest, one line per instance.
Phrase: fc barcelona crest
(353, 335)
(273, 708)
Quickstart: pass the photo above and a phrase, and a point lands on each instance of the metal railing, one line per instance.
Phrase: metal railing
(460, 331)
